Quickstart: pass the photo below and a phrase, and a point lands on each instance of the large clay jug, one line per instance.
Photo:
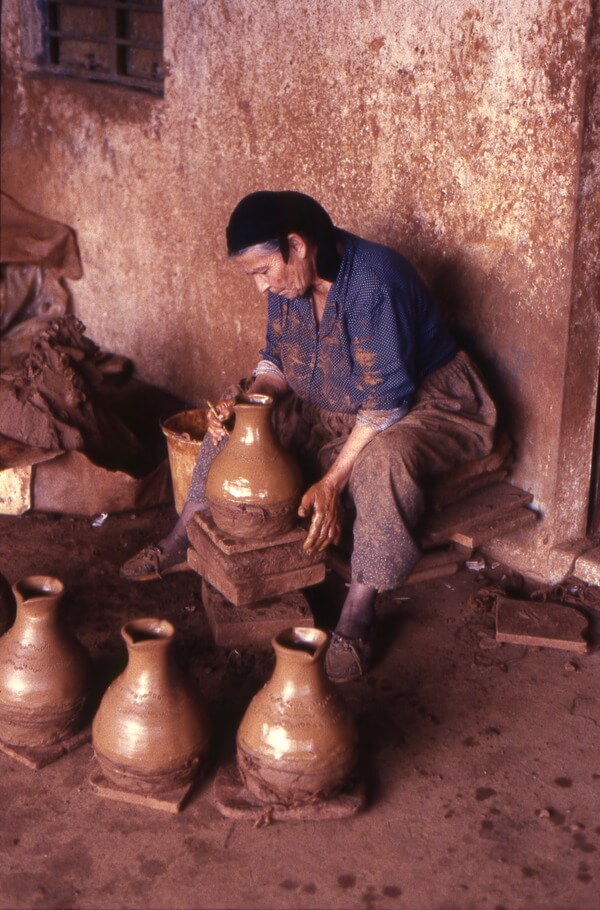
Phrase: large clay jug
(151, 731)
(44, 670)
(297, 740)
(253, 485)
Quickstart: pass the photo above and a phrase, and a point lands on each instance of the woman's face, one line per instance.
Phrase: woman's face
(293, 278)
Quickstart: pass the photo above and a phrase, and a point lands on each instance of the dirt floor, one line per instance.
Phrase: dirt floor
(483, 761)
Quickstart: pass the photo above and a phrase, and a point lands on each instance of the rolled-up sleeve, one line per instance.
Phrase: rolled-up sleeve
(380, 420)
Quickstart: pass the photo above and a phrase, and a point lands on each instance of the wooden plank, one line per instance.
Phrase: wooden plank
(454, 484)
(36, 757)
(251, 589)
(548, 625)
(454, 491)
(434, 564)
(481, 507)
(250, 563)
(234, 627)
(474, 535)
(171, 801)
(231, 545)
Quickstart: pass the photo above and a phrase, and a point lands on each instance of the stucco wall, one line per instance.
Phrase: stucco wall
(450, 131)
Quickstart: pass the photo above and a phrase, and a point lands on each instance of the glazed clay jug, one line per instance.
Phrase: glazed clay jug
(151, 731)
(297, 740)
(44, 670)
(253, 485)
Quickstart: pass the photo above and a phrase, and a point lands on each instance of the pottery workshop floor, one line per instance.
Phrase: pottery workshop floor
(484, 763)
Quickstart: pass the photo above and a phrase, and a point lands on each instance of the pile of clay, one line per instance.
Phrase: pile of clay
(65, 393)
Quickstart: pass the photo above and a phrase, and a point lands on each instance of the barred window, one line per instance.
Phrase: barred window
(115, 41)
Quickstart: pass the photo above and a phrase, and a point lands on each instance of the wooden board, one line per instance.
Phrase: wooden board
(479, 508)
(474, 535)
(171, 801)
(39, 756)
(233, 800)
(246, 564)
(434, 564)
(457, 483)
(230, 545)
(548, 625)
(251, 589)
(234, 627)
(439, 499)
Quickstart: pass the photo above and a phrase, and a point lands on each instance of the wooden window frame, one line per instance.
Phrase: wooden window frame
(54, 38)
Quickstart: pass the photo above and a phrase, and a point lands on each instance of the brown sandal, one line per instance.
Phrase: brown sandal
(151, 564)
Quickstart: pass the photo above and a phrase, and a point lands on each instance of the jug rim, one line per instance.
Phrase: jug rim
(140, 632)
(32, 587)
(305, 643)
(254, 399)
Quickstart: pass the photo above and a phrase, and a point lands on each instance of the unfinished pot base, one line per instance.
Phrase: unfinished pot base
(233, 800)
(39, 756)
(167, 801)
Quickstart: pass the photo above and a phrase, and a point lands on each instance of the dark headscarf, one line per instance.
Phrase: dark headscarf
(266, 216)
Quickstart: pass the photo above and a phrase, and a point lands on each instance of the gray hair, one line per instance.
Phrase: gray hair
(261, 249)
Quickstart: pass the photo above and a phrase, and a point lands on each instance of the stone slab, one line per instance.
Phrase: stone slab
(547, 625)
(476, 534)
(479, 508)
(233, 800)
(251, 589)
(233, 626)
(246, 564)
(587, 566)
(230, 545)
(171, 801)
(39, 756)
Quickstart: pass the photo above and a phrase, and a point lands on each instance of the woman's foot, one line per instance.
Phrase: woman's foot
(154, 562)
(347, 659)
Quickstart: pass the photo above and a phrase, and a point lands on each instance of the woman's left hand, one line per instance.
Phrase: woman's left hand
(322, 501)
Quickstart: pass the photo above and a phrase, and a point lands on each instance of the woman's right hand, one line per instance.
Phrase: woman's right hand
(224, 409)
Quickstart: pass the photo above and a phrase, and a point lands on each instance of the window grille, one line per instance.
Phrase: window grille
(116, 41)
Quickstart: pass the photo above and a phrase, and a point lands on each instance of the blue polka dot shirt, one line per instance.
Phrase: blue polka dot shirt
(380, 334)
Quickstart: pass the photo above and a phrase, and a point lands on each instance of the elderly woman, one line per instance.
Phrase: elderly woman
(373, 395)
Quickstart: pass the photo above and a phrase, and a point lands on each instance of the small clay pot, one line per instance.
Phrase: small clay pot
(253, 485)
(297, 741)
(151, 732)
(44, 670)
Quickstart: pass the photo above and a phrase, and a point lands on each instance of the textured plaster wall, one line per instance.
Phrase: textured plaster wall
(451, 131)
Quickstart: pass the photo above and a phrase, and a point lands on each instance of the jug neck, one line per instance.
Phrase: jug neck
(37, 599)
(253, 420)
(300, 663)
(149, 647)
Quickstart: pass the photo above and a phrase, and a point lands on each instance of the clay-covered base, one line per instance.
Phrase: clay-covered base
(40, 727)
(170, 800)
(287, 784)
(258, 522)
(152, 784)
(233, 800)
(36, 758)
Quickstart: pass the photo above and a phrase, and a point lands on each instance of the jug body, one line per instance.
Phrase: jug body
(44, 670)
(297, 740)
(253, 485)
(151, 731)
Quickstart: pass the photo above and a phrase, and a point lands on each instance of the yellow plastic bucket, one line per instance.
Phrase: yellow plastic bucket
(184, 433)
